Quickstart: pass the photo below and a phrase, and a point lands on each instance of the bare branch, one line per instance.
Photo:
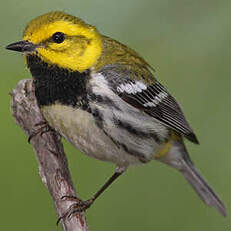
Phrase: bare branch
(53, 167)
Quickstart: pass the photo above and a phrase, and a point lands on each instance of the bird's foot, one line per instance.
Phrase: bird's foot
(78, 207)
(39, 129)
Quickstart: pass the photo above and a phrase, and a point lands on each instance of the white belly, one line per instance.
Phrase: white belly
(78, 127)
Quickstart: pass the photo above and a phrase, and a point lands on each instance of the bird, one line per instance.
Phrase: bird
(104, 98)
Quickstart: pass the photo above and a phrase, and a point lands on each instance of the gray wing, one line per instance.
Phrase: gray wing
(153, 99)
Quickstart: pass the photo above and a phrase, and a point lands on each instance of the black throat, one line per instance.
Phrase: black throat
(55, 84)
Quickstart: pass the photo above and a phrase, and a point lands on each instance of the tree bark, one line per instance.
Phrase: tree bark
(53, 167)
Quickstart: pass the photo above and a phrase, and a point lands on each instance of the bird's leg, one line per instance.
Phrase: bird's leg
(80, 205)
(40, 128)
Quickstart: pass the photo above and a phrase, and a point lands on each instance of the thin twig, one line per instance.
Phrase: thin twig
(53, 167)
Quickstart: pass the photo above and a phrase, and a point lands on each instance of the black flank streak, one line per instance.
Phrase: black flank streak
(99, 99)
(135, 131)
(140, 156)
(119, 145)
(98, 118)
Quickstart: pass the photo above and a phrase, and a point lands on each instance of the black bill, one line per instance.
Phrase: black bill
(21, 46)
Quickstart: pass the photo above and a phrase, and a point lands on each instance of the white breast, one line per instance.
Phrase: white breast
(78, 127)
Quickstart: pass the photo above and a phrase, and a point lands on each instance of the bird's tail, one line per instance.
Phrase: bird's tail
(202, 188)
(178, 158)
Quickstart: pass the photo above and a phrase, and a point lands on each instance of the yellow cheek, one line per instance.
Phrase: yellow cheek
(75, 57)
(59, 58)
(58, 46)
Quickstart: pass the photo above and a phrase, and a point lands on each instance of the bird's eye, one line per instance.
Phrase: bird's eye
(58, 37)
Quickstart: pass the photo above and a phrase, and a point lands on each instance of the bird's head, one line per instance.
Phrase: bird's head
(61, 39)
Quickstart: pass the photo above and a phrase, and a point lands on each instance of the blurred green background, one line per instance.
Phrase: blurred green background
(188, 43)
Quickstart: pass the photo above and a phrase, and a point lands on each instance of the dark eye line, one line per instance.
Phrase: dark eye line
(81, 37)
(44, 43)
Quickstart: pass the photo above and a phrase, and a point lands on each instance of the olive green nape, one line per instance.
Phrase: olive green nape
(51, 17)
(125, 58)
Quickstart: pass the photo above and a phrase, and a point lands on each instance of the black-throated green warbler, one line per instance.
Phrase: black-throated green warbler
(103, 98)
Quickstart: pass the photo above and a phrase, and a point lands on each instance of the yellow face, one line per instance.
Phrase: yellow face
(64, 40)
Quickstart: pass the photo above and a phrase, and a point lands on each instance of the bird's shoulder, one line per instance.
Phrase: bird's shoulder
(124, 60)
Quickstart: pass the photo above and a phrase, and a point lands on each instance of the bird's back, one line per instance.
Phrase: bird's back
(117, 54)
